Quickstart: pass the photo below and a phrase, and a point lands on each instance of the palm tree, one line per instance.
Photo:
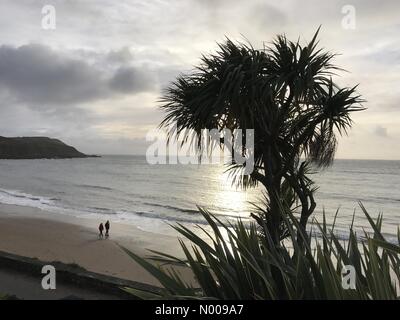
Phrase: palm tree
(286, 94)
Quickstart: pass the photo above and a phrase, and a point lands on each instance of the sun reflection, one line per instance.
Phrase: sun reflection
(230, 199)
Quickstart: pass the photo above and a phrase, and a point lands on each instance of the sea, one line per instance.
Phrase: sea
(127, 189)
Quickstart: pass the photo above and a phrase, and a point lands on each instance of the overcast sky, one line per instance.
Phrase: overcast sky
(94, 81)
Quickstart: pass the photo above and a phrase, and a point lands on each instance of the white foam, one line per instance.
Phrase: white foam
(19, 198)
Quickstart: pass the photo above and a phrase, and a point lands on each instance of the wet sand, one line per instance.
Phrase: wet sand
(34, 233)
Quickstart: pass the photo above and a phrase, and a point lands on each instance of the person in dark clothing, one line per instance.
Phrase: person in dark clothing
(107, 225)
(101, 228)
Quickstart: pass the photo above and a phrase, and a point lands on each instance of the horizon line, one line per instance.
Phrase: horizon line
(144, 155)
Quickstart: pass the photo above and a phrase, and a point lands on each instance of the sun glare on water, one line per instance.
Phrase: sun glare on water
(233, 201)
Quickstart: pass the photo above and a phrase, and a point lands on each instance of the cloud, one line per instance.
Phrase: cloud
(131, 80)
(77, 95)
(124, 55)
(264, 15)
(37, 75)
(104, 145)
(100, 72)
(42, 77)
(381, 131)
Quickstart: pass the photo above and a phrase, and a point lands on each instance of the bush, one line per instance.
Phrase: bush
(238, 263)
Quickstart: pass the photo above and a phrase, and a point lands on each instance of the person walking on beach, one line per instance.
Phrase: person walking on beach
(101, 228)
(107, 225)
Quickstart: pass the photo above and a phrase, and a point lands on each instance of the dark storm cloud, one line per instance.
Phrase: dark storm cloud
(39, 76)
(131, 80)
(34, 74)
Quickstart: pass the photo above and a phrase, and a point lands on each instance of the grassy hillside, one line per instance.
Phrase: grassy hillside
(36, 148)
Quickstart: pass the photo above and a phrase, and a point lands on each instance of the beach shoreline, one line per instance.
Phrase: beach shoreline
(33, 233)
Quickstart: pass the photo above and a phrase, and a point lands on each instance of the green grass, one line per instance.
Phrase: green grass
(238, 263)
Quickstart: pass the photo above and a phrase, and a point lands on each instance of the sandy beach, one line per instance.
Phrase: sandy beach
(34, 233)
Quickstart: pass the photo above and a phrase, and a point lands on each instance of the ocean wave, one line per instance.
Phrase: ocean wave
(94, 187)
(219, 212)
(165, 206)
(387, 198)
(368, 172)
(341, 196)
(343, 234)
(152, 215)
(102, 210)
(16, 197)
